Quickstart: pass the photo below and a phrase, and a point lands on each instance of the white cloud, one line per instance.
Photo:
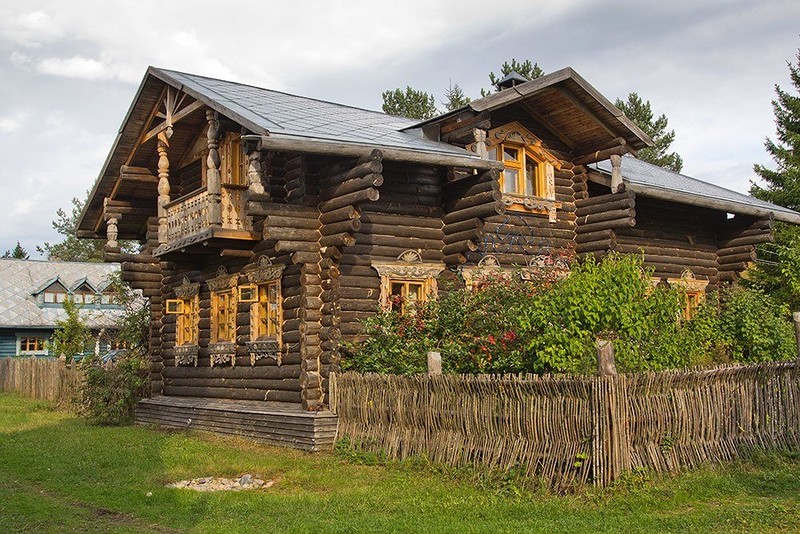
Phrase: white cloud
(75, 67)
(11, 123)
(30, 28)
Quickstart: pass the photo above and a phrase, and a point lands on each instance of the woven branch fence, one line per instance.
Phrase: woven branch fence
(574, 429)
(41, 378)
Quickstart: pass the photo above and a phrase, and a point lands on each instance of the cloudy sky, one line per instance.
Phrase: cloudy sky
(69, 70)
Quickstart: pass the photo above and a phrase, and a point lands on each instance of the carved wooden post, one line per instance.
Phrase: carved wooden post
(480, 143)
(163, 183)
(213, 178)
(255, 169)
(111, 232)
(616, 172)
(796, 318)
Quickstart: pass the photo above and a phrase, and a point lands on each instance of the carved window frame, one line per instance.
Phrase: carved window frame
(233, 163)
(269, 344)
(694, 291)
(515, 136)
(409, 268)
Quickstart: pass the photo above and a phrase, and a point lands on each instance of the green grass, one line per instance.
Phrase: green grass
(59, 474)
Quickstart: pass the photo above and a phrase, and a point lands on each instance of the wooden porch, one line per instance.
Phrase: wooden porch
(276, 423)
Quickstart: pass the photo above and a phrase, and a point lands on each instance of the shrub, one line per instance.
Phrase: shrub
(756, 327)
(72, 334)
(110, 392)
(505, 325)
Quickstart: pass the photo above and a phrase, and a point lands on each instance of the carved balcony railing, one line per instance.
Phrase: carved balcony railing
(189, 218)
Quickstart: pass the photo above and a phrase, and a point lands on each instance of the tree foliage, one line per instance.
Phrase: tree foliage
(640, 112)
(17, 253)
(72, 334)
(410, 103)
(455, 97)
(779, 275)
(526, 69)
(72, 248)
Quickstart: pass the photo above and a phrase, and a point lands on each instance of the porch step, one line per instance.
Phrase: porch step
(276, 423)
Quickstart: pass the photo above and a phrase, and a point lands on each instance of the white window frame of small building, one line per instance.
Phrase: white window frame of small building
(29, 335)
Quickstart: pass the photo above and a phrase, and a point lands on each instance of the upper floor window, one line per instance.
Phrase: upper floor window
(528, 179)
(233, 165)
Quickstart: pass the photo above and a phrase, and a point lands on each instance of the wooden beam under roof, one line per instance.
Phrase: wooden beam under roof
(580, 105)
(546, 124)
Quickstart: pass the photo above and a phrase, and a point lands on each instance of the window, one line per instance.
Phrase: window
(408, 281)
(223, 316)
(32, 344)
(188, 319)
(406, 294)
(694, 292)
(55, 297)
(524, 174)
(232, 161)
(265, 309)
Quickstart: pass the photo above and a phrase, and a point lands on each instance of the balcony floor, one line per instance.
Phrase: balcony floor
(212, 236)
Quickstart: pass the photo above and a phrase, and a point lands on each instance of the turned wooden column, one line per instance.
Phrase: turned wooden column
(163, 184)
(111, 231)
(255, 167)
(213, 178)
(616, 172)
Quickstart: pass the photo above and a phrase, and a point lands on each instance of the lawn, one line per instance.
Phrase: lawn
(59, 474)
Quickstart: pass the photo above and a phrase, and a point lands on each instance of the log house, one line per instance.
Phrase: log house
(272, 224)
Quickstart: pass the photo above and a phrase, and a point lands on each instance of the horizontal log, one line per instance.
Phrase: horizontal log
(399, 241)
(340, 214)
(603, 199)
(119, 257)
(287, 221)
(371, 217)
(281, 384)
(467, 224)
(747, 240)
(454, 259)
(290, 234)
(627, 248)
(742, 249)
(474, 234)
(296, 246)
(483, 210)
(402, 231)
(459, 247)
(370, 194)
(488, 197)
(606, 225)
(600, 155)
(129, 276)
(610, 215)
(625, 203)
(302, 257)
(388, 252)
(351, 186)
(233, 393)
(606, 244)
(358, 171)
(348, 225)
(737, 258)
(343, 239)
(453, 192)
(671, 260)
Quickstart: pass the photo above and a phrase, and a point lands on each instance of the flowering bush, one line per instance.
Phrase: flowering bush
(549, 323)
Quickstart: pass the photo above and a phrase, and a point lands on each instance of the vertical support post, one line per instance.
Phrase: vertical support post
(434, 363)
(616, 173)
(605, 358)
(480, 143)
(163, 184)
(796, 319)
(255, 169)
(611, 447)
(213, 178)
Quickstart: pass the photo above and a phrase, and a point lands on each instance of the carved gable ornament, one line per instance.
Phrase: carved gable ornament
(688, 282)
(223, 280)
(266, 271)
(409, 266)
(515, 133)
(187, 289)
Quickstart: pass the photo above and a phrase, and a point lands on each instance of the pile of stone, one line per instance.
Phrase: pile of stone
(244, 482)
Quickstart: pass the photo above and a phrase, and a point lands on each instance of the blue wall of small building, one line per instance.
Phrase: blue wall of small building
(8, 343)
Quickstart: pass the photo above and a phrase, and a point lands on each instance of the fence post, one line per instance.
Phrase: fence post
(434, 363)
(796, 318)
(612, 446)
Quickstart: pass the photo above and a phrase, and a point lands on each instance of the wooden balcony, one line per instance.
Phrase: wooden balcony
(189, 223)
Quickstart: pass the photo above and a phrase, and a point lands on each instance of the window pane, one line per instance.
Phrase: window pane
(530, 178)
(89, 299)
(510, 154)
(510, 177)
(49, 297)
(492, 153)
(60, 297)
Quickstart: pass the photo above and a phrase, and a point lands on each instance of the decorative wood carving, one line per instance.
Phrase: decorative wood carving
(480, 143)
(163, 183)
(213, 178)
(187, 289)
(255, 167)
(409, 266)
(112, 232)
(688, 282)
(222, 352)
(265, 272)
(186, 355)
(223, 280)
(264, 348)
(616, 172)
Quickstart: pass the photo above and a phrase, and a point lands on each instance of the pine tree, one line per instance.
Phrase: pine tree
(640, 112)
(18, 253)
(778, 272)
(410, 103)
(526, 69)
(455, 97)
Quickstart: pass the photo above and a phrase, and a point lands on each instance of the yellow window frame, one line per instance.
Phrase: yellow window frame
(525, 155)
(187, 328)
(404, 303)
(223, 316)
(266, 312)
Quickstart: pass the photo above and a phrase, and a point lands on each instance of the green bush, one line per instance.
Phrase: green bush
(756, 327)
(551, 325)
(72, 334)
(110, 392)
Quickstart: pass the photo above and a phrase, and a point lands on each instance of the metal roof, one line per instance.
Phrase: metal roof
(21, 280)
(267, 111)
(652, 180)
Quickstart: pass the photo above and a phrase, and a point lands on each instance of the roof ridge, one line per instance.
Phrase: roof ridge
(315, 99)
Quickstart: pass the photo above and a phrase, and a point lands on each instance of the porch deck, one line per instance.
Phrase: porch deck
(276, 423)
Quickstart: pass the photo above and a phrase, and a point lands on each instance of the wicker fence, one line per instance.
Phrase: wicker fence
(40, 378)
(569, 430)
